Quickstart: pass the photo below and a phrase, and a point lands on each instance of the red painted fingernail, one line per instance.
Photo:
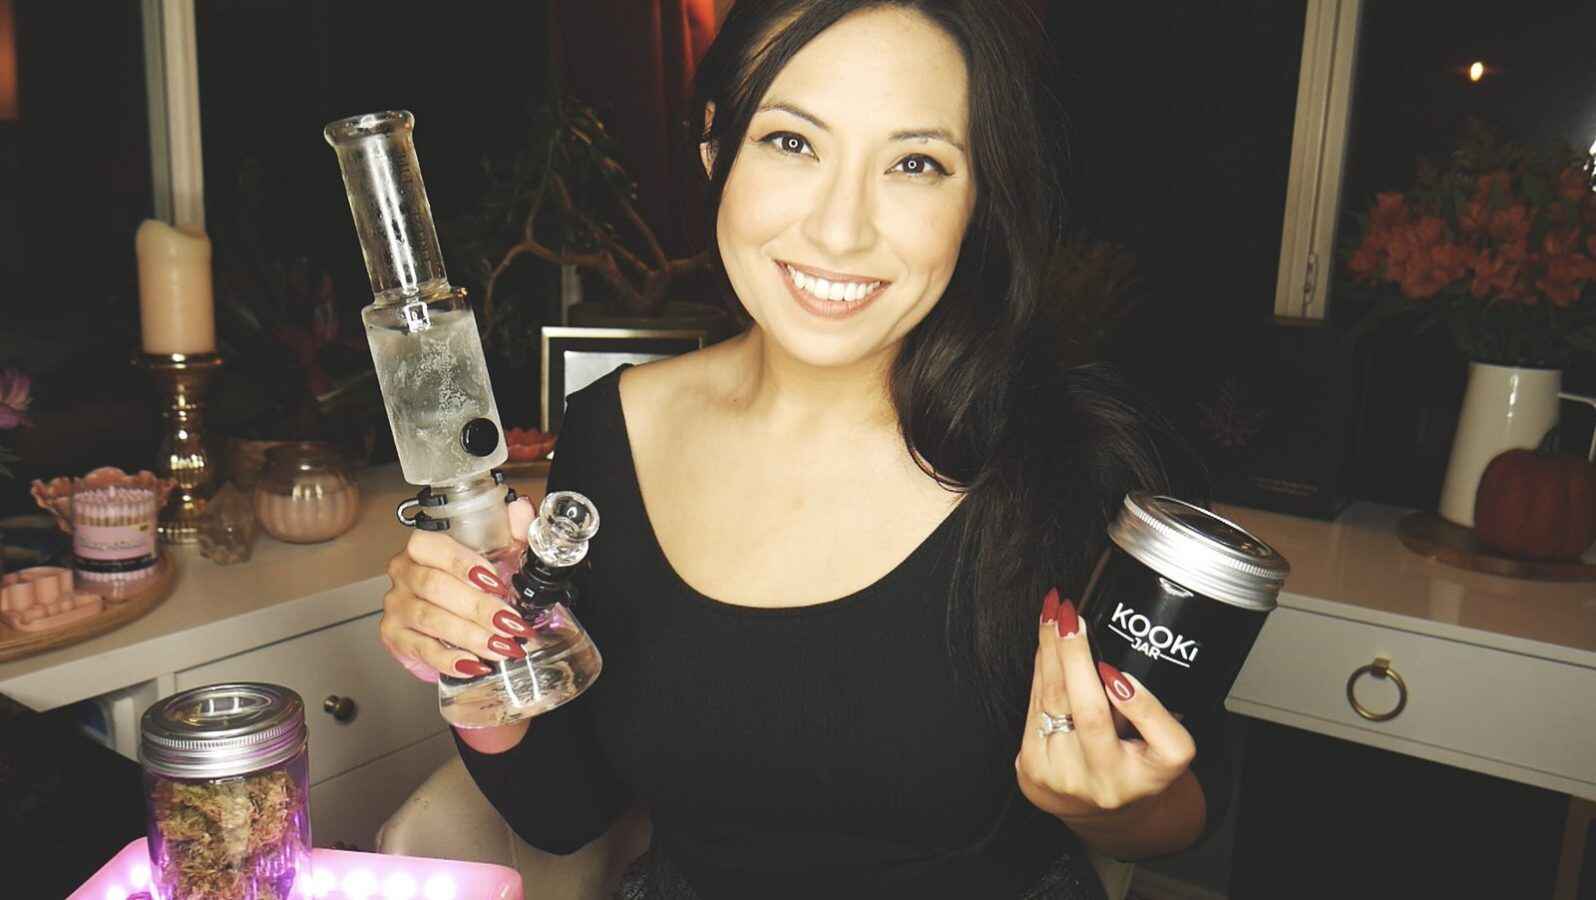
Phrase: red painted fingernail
(1068, 622)
(1050, 607)
(483, 577)
(1119, 687)
(505, 620)
(505, 647)
(471, 668)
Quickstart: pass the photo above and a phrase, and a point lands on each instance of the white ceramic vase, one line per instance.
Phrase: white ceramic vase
(1504, 407)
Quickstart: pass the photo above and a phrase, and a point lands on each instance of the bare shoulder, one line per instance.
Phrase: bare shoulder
(665, 391)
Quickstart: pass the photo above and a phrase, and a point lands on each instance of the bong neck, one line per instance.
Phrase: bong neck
(476, 513)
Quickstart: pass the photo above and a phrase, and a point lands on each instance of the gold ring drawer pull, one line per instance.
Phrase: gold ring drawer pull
(1380, 668)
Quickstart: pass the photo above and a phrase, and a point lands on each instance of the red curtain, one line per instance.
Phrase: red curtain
(633, 60)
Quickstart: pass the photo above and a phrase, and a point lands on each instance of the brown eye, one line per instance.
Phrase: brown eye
(920, 165)
(787, 142)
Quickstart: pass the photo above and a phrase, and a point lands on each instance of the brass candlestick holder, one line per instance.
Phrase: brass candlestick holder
(182, 379)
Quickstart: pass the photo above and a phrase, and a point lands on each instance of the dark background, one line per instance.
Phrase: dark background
(1178, 123)
(1411, 95)
(1177, 117)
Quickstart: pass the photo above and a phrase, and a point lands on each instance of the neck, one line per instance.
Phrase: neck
(790, 394)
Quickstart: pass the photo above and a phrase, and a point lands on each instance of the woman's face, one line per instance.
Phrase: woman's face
(853, 185)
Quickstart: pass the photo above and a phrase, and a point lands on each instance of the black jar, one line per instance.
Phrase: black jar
(1178, 598)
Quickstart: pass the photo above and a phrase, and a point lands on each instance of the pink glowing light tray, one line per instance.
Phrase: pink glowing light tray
(334, 875)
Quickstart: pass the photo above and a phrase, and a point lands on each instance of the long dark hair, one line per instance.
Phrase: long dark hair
(1043, 456)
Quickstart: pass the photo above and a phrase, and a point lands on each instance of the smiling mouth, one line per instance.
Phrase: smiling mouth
(842, 291)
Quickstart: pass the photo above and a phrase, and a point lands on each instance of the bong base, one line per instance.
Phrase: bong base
(519, 689)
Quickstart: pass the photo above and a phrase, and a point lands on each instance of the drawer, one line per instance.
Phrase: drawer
(1514, 709)
(392, 708)
(349, 808)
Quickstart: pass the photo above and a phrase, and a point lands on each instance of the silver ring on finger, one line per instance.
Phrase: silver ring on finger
(1052, 724)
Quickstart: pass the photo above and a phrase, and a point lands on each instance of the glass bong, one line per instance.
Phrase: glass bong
(434, 381)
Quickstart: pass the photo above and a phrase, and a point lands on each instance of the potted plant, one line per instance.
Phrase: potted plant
(294, 371)
(23, 540)
(565, 200)
(1498, 243)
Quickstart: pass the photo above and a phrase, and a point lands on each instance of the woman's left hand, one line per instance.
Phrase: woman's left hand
(1091, 771)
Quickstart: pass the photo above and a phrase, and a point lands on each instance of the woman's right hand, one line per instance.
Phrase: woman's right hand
(446, 607)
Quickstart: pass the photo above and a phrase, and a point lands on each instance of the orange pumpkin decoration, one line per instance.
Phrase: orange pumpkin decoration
(1537, 505)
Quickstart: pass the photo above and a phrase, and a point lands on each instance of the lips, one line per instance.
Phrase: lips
(814, 290)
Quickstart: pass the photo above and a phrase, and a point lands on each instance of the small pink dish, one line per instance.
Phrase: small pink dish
(42, 597)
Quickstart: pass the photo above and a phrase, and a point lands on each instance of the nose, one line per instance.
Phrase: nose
(842, 222)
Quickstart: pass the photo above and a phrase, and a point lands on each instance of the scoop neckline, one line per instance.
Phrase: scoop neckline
(846, 601)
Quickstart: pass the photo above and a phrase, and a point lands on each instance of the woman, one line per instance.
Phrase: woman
(832, 585)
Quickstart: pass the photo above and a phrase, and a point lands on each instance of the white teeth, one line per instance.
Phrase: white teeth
(833, 291)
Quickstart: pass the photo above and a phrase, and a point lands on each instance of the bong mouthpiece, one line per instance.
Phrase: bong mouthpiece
(426, 349)
(559, 535)
(377, 155)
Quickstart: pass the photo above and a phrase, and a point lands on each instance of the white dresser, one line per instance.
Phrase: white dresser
(1500, 675)
(300, 616)
(1493, 674)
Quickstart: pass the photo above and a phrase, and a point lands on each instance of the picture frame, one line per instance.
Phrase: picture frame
(574, 358)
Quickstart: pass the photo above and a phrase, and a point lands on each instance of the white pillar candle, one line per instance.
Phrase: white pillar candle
(176, 311)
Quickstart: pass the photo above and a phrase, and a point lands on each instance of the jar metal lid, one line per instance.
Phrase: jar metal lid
(1200, 550)
(222, 730)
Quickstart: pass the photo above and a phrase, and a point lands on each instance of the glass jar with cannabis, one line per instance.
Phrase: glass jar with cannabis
(226, 786)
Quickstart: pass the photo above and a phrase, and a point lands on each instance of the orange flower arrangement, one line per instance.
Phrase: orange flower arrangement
(1500, 245)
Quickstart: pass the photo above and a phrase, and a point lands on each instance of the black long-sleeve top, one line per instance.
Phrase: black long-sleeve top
(822, 750)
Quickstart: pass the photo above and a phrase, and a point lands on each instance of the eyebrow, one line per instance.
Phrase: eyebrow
(910, 134)
(929, 134)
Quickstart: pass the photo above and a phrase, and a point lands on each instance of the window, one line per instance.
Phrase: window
(288, 266)
(1412, 86)
(1409, 92)
(1180, 127)
(74, 186)
(74, 157)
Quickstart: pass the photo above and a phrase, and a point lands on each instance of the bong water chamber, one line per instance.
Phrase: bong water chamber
(446, 428)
